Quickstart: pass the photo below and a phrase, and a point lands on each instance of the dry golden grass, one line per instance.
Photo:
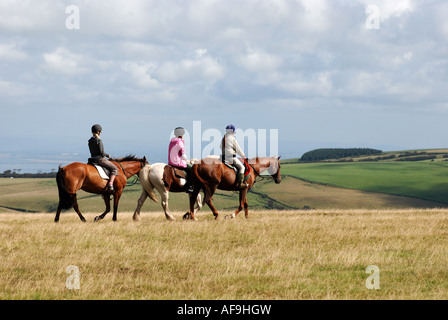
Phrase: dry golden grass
(318, 254)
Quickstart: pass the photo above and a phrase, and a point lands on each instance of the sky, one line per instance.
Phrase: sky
(323, 73)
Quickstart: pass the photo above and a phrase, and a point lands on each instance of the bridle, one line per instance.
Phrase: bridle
(259, 177)
(131, 174)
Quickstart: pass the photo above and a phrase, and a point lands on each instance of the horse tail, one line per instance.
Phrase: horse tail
(204, 186)
(146, 182)
(66, 200)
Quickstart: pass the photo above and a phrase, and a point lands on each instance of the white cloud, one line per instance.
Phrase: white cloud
(202, 68)
(141, 73)
(11, 52)
(318, 84)
(259, 61)
(316, 15)
(62, 61)
(200, 52)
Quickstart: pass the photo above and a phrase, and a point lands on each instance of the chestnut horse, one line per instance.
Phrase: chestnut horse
(83, 176)
(211, 174)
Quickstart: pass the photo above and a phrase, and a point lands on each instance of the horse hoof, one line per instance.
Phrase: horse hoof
(186, 216)
(97, 218)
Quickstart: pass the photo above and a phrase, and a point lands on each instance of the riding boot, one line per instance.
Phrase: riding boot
(189, 187)
(240, 179)
(110, 188)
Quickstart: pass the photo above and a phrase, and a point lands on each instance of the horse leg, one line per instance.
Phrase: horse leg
(193, 198)
(198, 204)
(117, 197)
(212, 207)
(208, 200)
(106, 199)
(58, 213)
(165, 197)
(243, 204)
(141, 201)
(76, 207)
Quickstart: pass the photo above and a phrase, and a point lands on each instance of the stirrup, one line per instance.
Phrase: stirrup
(243, 185)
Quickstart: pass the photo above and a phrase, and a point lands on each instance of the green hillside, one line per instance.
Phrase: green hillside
(423, 180)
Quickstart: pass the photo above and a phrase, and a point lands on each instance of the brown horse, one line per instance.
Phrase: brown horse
(212, 174)
(77, 176)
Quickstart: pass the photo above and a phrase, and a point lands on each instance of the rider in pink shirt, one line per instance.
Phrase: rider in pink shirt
(176, 150)
(177, 157)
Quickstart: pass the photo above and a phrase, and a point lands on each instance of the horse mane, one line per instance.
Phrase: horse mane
(129, 157)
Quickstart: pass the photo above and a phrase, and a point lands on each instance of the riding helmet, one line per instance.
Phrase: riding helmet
(230, 128)
(96, 128)
(179, 131)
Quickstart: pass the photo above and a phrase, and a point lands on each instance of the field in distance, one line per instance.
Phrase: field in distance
(425, 180)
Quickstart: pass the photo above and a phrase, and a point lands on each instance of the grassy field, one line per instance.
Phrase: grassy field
(313, 254)
(422, 180)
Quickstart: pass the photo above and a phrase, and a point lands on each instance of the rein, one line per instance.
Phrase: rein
(136, 179)
(259, 177)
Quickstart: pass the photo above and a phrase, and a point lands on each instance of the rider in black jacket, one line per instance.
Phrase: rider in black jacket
(97, 153)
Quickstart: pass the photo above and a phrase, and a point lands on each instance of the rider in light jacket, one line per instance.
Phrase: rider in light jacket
(230, 149)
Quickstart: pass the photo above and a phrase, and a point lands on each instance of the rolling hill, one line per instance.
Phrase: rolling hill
(380, 181)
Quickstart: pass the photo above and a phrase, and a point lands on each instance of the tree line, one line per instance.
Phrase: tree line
(337, 153)
(16, 174)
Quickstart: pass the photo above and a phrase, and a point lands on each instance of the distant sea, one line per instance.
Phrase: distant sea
(49, 162)
(35, 163)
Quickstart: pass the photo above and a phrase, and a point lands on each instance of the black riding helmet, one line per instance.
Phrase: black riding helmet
(96, 128)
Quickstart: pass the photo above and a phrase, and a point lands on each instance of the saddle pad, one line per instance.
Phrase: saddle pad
(246, 168)
(102, 172)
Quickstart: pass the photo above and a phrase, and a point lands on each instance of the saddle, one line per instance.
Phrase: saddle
(103, 172)
(247, 168)
(179, 172)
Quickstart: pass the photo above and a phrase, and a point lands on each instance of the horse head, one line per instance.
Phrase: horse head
(274, 169)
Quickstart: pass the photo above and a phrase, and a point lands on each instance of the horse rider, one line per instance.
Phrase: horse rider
(230, 149)
(99, 156)
(177, 157)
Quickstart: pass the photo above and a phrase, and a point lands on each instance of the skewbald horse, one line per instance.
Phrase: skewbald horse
(83, 176)
(211, 174)
(163, 178)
